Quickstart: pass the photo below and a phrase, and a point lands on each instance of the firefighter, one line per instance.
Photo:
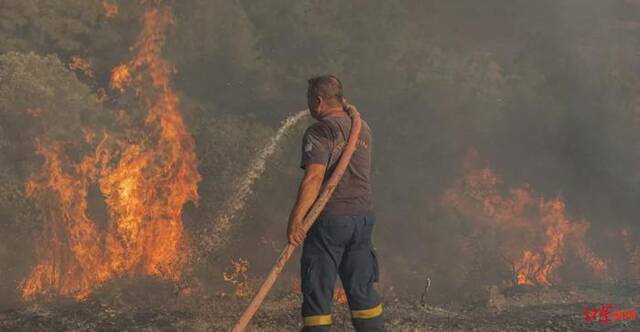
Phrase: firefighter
(340, 241)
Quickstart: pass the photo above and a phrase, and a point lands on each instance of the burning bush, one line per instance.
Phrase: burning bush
(533, 235)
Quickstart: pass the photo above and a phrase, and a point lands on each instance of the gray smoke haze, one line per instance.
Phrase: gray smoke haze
(546, 92)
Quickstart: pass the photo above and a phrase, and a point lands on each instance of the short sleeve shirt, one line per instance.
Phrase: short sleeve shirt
(323, 143)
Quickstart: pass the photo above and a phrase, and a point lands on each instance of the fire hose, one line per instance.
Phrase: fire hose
(308, 221)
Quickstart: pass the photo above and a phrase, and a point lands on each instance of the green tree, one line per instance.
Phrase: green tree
(69, 28)
(40, 98)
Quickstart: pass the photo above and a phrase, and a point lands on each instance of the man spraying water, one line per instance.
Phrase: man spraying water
(347, 252)
(339, 243)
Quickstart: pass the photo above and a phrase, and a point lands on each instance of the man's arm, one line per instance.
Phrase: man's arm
(307, 194)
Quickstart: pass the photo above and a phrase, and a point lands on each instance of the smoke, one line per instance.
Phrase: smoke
(219, 237)
(545, 91)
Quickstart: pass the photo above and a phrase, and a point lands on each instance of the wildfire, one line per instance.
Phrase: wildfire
(111, 8)
(539, 232)
(83, 65)
(145, 185)
(120, 77)
(237, 276)
(69, 234)
(339, 294)
(153, 180)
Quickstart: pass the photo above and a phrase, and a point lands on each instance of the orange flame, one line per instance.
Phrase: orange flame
(111, 8)
(81, 64)
(339, 294)
(548, 229)
(145, 190)
(71, 237)
(237, 276)
(120, 77)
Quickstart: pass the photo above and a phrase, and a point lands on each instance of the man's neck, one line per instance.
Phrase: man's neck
(335, 113)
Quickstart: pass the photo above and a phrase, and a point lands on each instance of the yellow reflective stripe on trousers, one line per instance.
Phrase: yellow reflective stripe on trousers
(317, 320)
(367, 313)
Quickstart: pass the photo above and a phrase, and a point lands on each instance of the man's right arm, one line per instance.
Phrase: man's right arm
(307, 194)
(316, 146)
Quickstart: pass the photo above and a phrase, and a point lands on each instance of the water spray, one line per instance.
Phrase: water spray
(307, 223)
(217, 238)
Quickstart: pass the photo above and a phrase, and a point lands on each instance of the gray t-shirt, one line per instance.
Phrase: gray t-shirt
(323, 143)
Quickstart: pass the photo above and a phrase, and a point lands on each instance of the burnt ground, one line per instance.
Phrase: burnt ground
(515, 309)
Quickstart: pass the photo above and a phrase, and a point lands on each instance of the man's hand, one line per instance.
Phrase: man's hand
(295, 233)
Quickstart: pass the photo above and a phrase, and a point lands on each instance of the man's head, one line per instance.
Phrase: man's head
(324, 96)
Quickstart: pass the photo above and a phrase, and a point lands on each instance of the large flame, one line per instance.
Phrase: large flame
(145, 185)
(151, 184)
(71, 254)
(538, 230)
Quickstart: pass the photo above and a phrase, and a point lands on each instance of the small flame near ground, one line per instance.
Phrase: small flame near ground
(120, 77)
(237, 276)
(339, 294)
(111, 8)
(538, 230)
(83, 65)
(145, 185)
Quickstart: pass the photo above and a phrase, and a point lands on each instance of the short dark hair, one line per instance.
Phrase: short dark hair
(328, 87)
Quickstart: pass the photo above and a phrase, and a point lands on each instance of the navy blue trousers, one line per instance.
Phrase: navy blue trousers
(340, 245)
